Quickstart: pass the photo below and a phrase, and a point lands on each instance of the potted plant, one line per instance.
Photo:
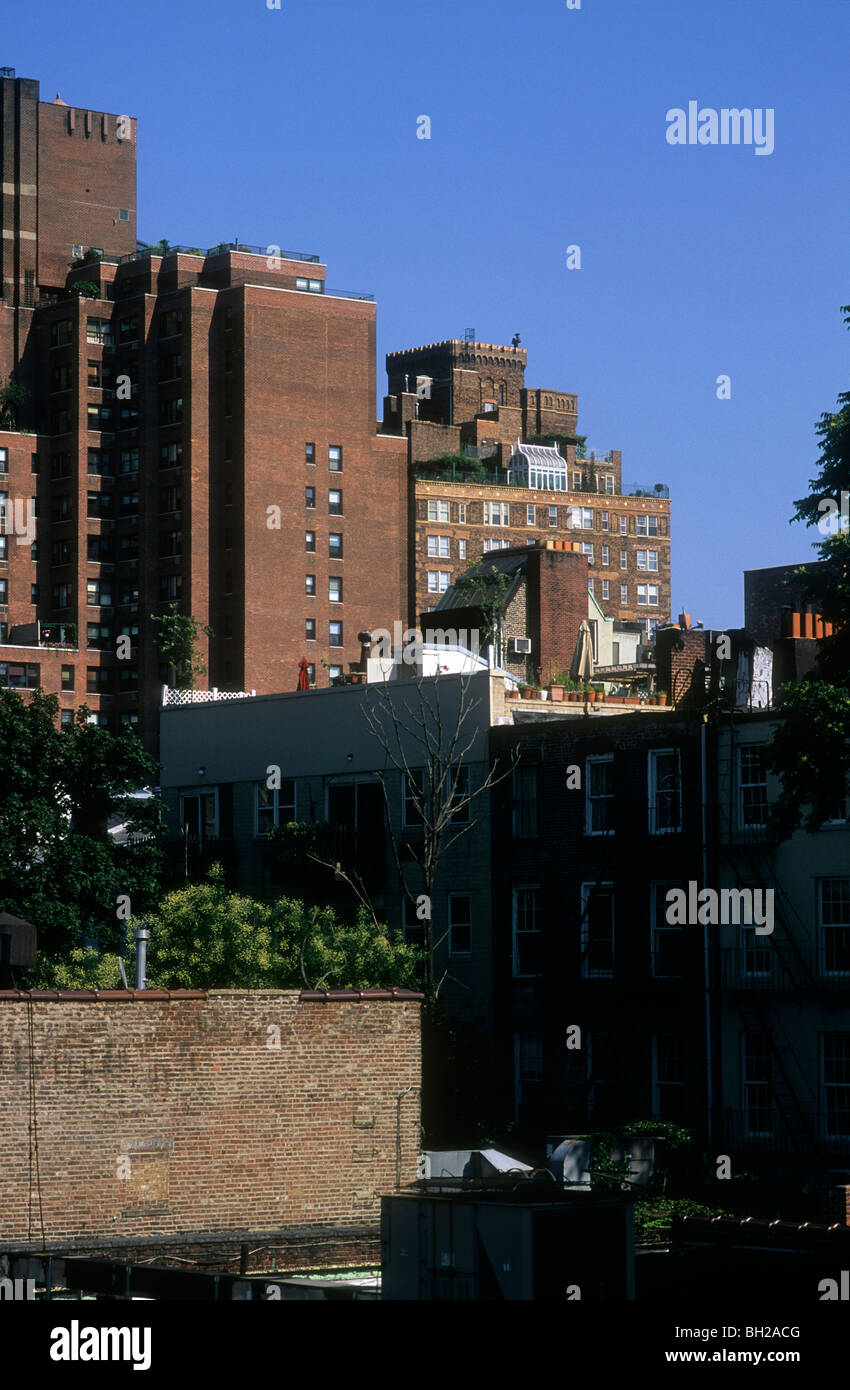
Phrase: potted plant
(596, 693)
(512, 693)
(661, 697)
(556, 693)
(526, 692)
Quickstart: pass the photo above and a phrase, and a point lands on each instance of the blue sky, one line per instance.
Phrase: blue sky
(297, 127)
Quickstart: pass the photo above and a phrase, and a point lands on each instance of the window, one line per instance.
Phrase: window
(98, 331)
(60, 551)
(171, 411)
(460, 924)
(310, 585)
(609, 483)
(310, 629)
(752, 787)
(439, 546)
(438, 581)
(99, 462)
(577, 482)
(836, 1084)
(335, 458)
(647, 525)
(309, 453)
(624, 525)
(129, 591)
(128, 461)
(128, 678)
(170, 499)
(606, 556)
(129, 545)
(413, 929)
(459, 795)
(334, 672)
(171, 367)
(98, 680)
(171, 323)
(438, 511)
(647, 559)
(528, 1075)
(461, 549)
(60, 595)
(667, 940)
(412, 798)
(834, 925)
(4, 591)
(529, 514)
(605, 521)
(98, 636)
(128, 330)
(199, 814)
(334, 545)
(335, 634)
(597, 930)
(61, 377)
(624, 594)
(309, 497)
(170, 455)
(128, 504)
(524, 799)
(20, 675)
(553, 516)
(335, 503)
(170, 588)
(4, 549)
(599, 794)
(170, 543)
(309, 540)
(334, 589)
(590, 585)
(66, 719)
(526, 931)
(60, 509)
(668, 1079)
(756, 1085)
(587, 549)
(461, 513)
(98, 592)
(274, 805)
(665, 791)
(624, 559)
(648, 594)
(495, 514)
(62, 332)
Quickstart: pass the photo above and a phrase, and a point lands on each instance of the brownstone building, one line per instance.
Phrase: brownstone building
(467, 397)
(199, 432)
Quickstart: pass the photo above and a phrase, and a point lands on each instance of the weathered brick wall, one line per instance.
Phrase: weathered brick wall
(213, 1129)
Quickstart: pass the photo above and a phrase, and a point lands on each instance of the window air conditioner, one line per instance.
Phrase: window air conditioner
(519, 646)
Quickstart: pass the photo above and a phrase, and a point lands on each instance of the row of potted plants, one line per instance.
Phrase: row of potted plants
(571, 693)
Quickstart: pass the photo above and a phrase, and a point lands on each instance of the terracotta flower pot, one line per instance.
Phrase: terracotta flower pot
(661, 697)
(526, 692)
(556, 693)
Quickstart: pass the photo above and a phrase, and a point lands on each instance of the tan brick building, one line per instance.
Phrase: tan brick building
(469, 397)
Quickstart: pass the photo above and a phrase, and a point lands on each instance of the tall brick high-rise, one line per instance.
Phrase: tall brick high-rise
(199, 431)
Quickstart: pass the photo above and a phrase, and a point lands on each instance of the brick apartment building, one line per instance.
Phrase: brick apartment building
(465, 396)
(199, 431)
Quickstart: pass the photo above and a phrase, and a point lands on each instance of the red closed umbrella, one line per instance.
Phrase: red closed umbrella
(303, 675)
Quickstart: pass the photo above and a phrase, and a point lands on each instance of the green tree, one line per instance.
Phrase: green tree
(177, 636)
(59, 867)
(203, 937)
(13, 397)
(810, 750)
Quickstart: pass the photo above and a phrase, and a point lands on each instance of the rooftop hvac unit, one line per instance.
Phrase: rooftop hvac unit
(520, 646)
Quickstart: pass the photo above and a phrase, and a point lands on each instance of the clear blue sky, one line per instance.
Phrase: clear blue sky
(297, 127)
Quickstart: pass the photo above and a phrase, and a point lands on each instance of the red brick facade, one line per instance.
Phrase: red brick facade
(192, 1114)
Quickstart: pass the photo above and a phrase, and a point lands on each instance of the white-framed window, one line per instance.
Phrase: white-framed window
(599, 794)
(624, 559)
(756, 1085)
(438, 511)
(460, 924)
(752, 786)
(274, 805)
(439, 546)
(835, 1082)
(494, 544)
(334, 502)
(606, 556)
(438, 581)
(647, 525)
(334, 589)
(524, 785)
(648, 594)
(576, 482)
(412, 791)
(834, 925)
(664, 782)
(335, 458)
(606, 590)
(335, 634)
(528, 1072)
(668, 1077)
(608, 480)
(590, 584)
(199, 814)
(597, 930)
(582, 518)
(529, 514)
(527, 937)
(647, 559)
(587, 549)
(624, 594)
(666, 939)
(461, 549)
(553, 516)
(496, 514)
(461, 513)
(624, 525)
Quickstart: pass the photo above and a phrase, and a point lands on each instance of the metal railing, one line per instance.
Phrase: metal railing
(221, 248)
(761, 967)
(488, 479)
(768, 1130)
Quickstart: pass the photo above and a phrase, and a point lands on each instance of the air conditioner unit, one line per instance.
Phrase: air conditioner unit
(519, 646)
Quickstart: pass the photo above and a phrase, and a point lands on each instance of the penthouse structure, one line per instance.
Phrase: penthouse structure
(495, 464)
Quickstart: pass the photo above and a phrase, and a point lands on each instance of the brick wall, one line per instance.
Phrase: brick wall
(214, 1130)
